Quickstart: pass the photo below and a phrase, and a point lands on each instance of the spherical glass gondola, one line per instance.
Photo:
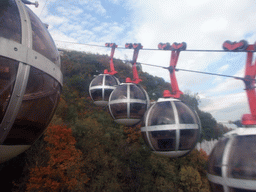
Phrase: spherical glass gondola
(101, 87)
(128, 103)
(171, 128)
(232, 162)
(30, 78)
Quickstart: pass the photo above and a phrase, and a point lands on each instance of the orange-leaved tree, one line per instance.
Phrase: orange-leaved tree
(133, 133)
(65, 165)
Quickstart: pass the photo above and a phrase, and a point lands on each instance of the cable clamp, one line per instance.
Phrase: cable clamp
(234, 46)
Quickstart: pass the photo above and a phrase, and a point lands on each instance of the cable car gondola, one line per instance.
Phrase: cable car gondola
(231, 164)
(129, 101)
(30, 78)
(102, 85)
(170, 127)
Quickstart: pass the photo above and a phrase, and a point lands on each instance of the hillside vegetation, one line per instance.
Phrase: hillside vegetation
(84, 150)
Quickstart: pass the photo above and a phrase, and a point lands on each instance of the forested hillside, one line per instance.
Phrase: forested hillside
(84, 150)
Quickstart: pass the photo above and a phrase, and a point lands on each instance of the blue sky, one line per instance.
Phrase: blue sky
(202, 24)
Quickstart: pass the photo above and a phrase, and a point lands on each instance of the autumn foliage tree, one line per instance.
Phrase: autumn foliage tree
(63, 171)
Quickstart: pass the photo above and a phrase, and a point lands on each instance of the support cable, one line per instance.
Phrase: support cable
(206, 73)
(43, 8)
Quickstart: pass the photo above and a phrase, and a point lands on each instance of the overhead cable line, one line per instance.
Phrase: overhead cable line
(92, 45)
(151, 49)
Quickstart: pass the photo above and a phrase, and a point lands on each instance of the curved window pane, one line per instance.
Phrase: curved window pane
(161, 114)
(144, 135)
(120, 92)
(97, 81)
(137, 110)
(42, 41)
(240, 190)
(110, 80)
(188, 138)
(143, 123)
(96, 94)
(119, 110)
(216, 187)
(242, 159)
(215, 158)
(163, 140)
(107, 93)
(10, 24)
(186, 115)
(38, 105)
(8, 72)
(136, 92)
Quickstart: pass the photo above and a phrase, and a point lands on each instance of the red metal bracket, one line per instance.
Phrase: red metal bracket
(136, 47)
(112, 68)
(179, 46)
(234, 46)
(176, 48)
(249, 77)
(128, 45)
(250, 73)
(164, 46)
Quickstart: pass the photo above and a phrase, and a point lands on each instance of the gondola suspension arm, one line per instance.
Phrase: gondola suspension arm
(176, 48)
(112, 68)
(136, 47)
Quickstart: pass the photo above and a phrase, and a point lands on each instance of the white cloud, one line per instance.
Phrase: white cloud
(59, 36)
(93, 5)
(70, 11)
(227, 107)
(117, 2)
(196, 3)
(214, 25)
(55, 20)
(228, 85)
(224, 101)
(177, 21)
(223, 68)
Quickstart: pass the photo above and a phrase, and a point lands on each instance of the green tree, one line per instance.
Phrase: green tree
(190, 179)
(208, 125)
